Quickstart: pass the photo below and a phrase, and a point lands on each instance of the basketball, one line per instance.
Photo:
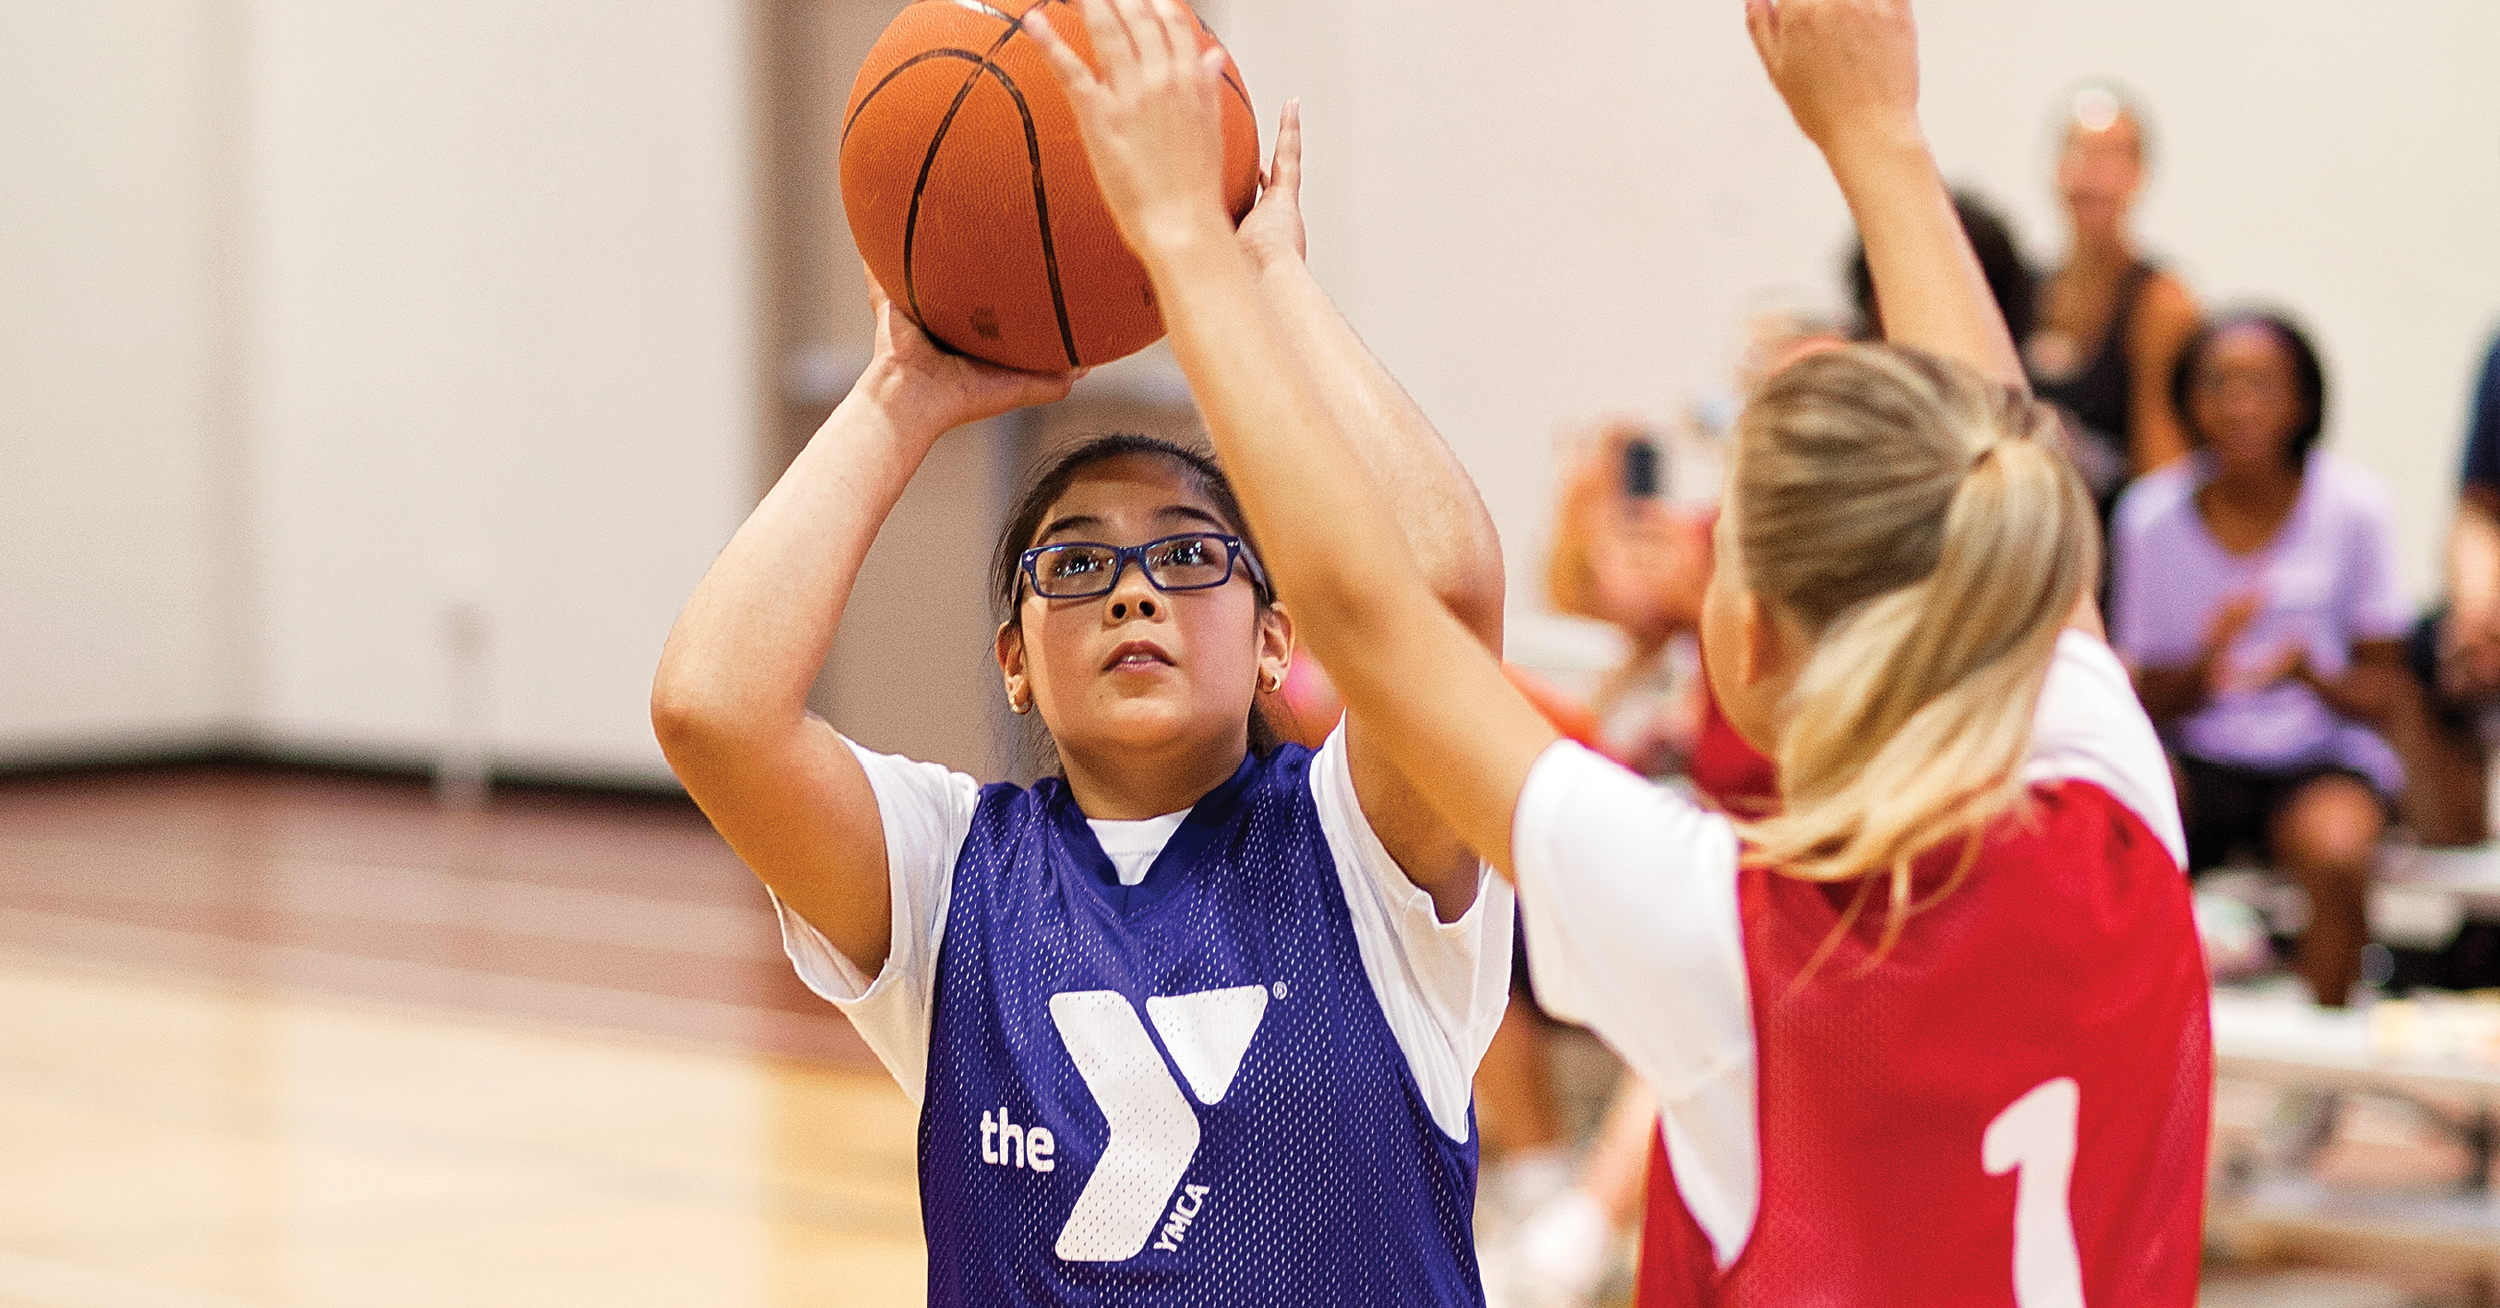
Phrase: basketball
(970, 196)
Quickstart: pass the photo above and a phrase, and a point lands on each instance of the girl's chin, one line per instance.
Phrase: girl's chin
(1154, 724)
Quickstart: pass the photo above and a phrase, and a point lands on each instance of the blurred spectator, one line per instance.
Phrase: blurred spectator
(2112, 322)
(2456, 652)
(2010, 278)
(1639, 565)
(2257, 601)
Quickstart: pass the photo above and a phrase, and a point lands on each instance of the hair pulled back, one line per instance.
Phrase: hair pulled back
(1921, 524)
(1024, 522)
(2308, 374)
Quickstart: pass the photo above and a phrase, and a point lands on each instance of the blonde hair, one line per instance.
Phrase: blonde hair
(1921, 525)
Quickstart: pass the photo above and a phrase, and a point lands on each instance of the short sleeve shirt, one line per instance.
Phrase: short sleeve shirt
(1442, 985)
(1630, 896)
(2326, 582)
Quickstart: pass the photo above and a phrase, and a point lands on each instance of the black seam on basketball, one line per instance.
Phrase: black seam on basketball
(1041, 209)
(1229, 79)
(928, 162)
(900, 69)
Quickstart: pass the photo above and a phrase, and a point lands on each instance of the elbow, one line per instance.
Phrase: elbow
(1469, 582)
(690, 722)
(678, 720)
(1475, 597)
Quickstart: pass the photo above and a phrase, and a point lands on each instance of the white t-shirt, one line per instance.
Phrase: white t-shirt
(1630, 900)
(1441, 985)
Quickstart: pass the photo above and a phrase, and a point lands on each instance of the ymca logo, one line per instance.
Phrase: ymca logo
(1153, 1130)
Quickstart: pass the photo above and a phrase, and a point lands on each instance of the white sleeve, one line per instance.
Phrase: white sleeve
(927, 812)
(2090, 727)
(1629, 895)
(1442, 985)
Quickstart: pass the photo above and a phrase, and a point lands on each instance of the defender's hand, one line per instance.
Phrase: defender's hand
(1847, 68)
(1152, 120)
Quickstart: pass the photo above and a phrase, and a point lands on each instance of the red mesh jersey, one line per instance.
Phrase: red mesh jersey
(1734, 775)
(2034, 1054)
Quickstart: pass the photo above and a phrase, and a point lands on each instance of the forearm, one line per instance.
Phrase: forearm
(1424, 487)
(1398, 655)
(2474, 563)
(2365, 695)
(2172, 693)
(1307, 491)
(1928, 283)
(2372, 689)
(2159, 440)
(749, 645)
(2167, 318)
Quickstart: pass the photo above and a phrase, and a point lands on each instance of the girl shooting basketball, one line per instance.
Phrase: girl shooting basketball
(1936, 1032)
(1193, 1023)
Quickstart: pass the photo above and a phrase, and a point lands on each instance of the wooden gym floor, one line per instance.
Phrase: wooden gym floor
(276, 1039)
(291, 1039)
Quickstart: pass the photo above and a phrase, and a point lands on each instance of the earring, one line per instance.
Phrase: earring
(1271, 682)
(1019, 705)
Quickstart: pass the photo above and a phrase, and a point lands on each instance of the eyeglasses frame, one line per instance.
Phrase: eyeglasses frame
(1236, 554)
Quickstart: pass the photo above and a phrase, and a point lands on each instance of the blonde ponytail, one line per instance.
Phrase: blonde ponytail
(1923, 527)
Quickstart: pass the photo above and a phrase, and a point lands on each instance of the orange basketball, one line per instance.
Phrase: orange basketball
(971, 198)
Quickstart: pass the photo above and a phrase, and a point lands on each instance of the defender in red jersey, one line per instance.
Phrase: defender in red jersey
(1934, 1031)
(1881, 1130)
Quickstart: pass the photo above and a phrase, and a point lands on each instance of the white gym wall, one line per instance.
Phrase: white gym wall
(120, 615)
(329, 326)
(1542, 212)
(319, 322)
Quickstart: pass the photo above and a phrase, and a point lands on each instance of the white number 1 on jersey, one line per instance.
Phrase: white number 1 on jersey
(2034, 1138)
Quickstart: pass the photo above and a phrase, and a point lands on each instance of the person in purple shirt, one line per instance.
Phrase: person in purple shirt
(2456, 652)
(2257, 602)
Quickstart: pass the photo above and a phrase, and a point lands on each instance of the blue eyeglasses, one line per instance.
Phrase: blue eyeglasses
(1198, 560)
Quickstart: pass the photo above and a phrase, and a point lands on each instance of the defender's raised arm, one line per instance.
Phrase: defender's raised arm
(1849, 72)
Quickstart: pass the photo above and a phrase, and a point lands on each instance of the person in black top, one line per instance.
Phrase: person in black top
(2456, 651)
(2111, 322)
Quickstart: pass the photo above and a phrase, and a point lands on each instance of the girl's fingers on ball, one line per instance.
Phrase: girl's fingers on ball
(1178, 36)
(1113, 48)
(1284, 169)
(1762, 23)
(1073, 74)
(1154, 44)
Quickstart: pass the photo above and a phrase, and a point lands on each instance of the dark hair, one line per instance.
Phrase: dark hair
(2308, 374)
(1024, 522)
(2010, 279)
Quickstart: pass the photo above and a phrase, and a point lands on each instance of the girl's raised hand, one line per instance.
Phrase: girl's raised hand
(1847, 68)
(1152, 120)
(1273, 232)
(931, 389)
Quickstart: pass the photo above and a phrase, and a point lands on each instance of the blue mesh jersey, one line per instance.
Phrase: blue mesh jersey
(1182, 1093)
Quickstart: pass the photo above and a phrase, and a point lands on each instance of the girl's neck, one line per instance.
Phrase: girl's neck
(2099, 254)
(2245, 506)
(1126, 783)
(2272, 481)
